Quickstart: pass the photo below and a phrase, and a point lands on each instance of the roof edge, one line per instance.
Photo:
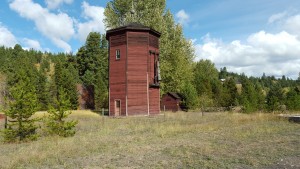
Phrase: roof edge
(133, 27)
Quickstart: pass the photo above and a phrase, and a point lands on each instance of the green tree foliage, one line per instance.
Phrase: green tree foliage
(42, 90)
(56, 122)
(177, 54)
(92, 62)
(252, 98)
(230, 94)
(206, 81)
(22, 105)
(149, 13)
(223, 73)
(293, 99)
(275, 98)
(190, 98)
(205, 74)
(66, 77)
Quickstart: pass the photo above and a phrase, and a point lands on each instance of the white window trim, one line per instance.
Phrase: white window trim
(118, 53)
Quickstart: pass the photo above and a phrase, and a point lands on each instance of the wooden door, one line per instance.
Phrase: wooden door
(117, 107)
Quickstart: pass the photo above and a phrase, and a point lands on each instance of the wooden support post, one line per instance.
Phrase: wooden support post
(5, 122)
(103, 116)
(164, 113)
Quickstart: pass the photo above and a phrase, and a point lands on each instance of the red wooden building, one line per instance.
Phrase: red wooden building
(171, 102)
(133, 70)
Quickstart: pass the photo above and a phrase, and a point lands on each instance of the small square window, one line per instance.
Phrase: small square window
(118, 55)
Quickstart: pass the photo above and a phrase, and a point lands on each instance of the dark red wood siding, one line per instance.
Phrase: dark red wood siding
(169, 103)
(131, 77)
(117, 73)
(137, 73)
(154, 93)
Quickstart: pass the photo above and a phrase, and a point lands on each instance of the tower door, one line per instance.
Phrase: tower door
(117, 107)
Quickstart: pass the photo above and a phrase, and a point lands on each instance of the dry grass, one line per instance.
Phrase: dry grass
(173, 140)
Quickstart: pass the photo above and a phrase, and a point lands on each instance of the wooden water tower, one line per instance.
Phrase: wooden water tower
(133, 70)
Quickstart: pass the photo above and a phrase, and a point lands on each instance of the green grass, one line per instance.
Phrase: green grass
(176, 140)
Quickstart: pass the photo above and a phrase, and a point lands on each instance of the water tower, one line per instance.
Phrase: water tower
(133, 70)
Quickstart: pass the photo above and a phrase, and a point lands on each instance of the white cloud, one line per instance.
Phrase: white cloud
(277, 17)
(275, 54)
(32, 44)
(6, 37)
(52, 4)
(286, 21)
(292, 24)
(182, 17)
(94, 16)
(57, 27)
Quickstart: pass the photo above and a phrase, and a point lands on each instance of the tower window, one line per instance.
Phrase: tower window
(118, 54)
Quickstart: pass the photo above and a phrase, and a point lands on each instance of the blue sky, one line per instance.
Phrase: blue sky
(254, 37)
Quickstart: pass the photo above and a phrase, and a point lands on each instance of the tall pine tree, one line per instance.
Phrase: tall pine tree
(22, 104)
(92, 62)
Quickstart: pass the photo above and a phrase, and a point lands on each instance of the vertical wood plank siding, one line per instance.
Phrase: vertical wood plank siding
(131, 76)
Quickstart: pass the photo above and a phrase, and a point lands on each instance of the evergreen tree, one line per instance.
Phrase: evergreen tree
(22, 105)
(274, 98)
(223, 73)
(251, 98)
(293, 99)
(66, 77)
(92, 62)
(56, 121)
(42, 90)
(229, 93)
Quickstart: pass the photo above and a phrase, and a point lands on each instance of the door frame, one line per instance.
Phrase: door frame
(118, 100)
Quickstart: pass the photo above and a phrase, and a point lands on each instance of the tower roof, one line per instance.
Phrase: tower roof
(132, 27)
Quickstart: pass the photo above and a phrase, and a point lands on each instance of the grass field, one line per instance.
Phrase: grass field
(173, 140)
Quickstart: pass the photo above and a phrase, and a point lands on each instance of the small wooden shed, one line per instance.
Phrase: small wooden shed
(171, 102)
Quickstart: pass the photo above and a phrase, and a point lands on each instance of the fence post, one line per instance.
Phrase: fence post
(103, 116)
(164, 113)
(5, 122)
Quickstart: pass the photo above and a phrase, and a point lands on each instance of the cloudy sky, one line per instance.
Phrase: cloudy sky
(254, 36)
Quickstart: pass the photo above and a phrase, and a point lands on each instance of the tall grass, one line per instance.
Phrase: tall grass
(173, 140)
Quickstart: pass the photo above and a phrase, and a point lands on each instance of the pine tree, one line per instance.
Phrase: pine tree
(274, 98)
(92, 62)
(251, 98)
(293, 99)
(42, 90)
(66, 77)
(56, 122)
(229, 92)
(22, 105)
